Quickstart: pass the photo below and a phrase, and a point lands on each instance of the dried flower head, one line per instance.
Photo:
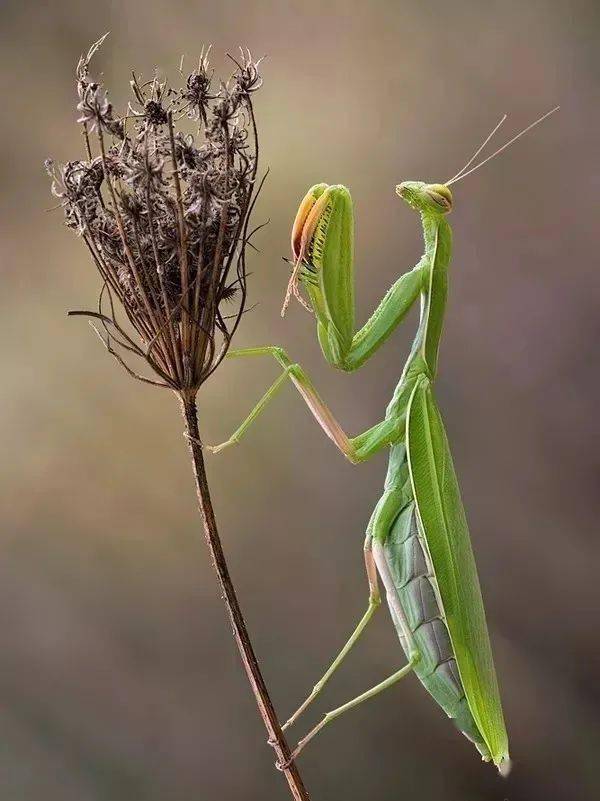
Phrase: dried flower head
(165, 214)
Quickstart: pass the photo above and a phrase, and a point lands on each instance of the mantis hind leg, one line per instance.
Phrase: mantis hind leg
(373, 605)
(335, 713)
(383, 516)
(389, 506)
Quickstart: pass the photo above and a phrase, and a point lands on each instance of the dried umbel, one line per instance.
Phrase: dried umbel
(165, 214)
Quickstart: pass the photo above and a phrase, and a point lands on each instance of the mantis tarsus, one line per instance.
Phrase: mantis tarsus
(417, 540)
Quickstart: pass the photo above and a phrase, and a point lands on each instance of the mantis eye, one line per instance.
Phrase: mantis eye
(441, 195)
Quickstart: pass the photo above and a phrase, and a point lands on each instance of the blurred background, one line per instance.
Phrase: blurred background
(119, 679)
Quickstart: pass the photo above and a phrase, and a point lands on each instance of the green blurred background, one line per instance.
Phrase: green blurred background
(119, 680)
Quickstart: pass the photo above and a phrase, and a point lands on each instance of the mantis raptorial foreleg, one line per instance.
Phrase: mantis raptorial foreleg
(356, 449)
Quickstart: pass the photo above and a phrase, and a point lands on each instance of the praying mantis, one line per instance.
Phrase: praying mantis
(417, 541)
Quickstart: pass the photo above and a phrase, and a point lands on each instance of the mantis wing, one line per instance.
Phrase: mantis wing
(444, 525)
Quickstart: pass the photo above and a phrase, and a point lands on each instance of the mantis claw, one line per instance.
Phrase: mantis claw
(221, 447)
(281, 766)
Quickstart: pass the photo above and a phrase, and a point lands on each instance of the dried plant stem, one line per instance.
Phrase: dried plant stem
(240, 631)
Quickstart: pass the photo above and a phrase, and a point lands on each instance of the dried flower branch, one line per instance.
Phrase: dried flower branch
(165, 216)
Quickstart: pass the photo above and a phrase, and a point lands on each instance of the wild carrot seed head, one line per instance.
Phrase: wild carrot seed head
(164, 213)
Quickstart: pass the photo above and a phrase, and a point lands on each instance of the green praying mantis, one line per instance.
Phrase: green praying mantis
(417, 540)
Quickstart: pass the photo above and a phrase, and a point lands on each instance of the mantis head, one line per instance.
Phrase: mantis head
(427, 198)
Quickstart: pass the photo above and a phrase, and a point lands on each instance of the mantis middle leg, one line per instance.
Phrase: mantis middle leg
(356, 449)
(373, 606)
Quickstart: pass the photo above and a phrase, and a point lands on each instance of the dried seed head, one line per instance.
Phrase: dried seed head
(165, 213)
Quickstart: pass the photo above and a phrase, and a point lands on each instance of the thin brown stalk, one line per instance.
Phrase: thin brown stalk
(240, 631)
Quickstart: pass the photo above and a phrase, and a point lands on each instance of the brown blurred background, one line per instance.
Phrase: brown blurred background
(119, 680)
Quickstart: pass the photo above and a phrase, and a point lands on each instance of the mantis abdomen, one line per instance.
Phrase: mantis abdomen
(415, 586)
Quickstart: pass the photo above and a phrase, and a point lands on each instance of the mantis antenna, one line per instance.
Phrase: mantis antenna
(477, 152)
(500, 149)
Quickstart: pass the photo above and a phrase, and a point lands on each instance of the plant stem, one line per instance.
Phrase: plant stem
(240, 631)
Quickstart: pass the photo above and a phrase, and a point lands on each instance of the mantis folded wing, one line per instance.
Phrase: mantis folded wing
(441, 515)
